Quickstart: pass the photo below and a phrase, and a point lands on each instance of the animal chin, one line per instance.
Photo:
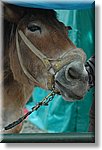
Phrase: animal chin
(67, 94)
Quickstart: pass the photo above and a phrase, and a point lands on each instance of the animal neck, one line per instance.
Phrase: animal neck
(16, 94)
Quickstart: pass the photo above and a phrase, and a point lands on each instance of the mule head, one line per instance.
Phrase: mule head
(49, 36)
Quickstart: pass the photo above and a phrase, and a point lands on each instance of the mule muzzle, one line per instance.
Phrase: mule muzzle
(72, 81)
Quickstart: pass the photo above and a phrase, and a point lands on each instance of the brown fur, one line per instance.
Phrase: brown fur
(52, 42)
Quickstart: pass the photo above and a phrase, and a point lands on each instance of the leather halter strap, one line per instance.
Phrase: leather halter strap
(41, 56)
(52, 67)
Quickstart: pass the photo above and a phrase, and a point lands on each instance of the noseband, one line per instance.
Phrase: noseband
(52, 65)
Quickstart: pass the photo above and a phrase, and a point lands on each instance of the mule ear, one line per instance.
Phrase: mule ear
(12, 13)
(69, 28)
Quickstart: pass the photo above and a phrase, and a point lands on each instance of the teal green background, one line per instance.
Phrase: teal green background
(60, 115)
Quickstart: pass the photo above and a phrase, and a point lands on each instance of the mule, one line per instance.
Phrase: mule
(38, 52)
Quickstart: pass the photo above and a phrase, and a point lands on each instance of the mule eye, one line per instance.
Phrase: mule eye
(34, 28)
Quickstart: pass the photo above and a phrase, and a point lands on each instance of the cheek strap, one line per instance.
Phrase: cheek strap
(51, 65)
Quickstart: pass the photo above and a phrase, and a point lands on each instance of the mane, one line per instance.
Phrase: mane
(8, 35)
(9, 32)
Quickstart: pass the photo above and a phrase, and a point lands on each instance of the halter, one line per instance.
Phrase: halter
(52, 65)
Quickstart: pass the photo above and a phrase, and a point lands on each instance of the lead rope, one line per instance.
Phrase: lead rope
(44, 102)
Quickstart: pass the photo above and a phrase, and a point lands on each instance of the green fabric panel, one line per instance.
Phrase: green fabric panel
(59, 115)
(83, 24)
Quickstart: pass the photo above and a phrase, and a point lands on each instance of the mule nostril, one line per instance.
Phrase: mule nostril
(72, 72)
(76, 70)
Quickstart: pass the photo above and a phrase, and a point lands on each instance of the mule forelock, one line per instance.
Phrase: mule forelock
(46, 12)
